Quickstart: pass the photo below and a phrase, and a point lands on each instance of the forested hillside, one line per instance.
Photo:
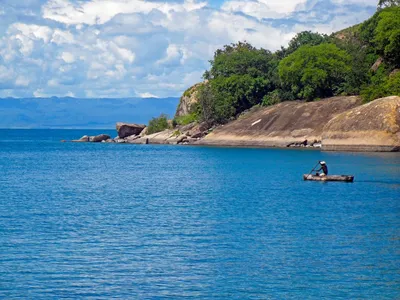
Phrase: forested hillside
(361, 60)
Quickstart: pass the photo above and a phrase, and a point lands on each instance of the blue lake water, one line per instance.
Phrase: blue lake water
(148, 222)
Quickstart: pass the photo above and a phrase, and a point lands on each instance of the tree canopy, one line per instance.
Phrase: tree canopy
(240, 76)
(387, 35)
(315, 71)
(312, 66)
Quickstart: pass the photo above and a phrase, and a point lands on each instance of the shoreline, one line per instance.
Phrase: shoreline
(337, 124)
(343, 149)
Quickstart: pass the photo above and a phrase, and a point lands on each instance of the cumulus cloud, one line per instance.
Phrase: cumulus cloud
(125, 48)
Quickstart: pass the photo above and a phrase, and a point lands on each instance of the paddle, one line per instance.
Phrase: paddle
(313, 169)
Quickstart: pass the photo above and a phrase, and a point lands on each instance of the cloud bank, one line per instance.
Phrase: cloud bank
(126, 48)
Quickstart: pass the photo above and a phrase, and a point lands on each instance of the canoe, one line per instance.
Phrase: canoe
(345, 178)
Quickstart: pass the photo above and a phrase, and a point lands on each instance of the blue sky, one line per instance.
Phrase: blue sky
(129, 48)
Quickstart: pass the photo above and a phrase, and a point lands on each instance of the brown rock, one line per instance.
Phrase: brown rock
(181, 139)
(131, 138)
(188, 99)
(125, 129)
(281, 124)
(99, 138)
(85, 138)
(376, 65)
(144, 132)
(374, 126)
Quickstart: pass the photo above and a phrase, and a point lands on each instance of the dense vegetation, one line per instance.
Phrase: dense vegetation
(313, 66)
(158, 124)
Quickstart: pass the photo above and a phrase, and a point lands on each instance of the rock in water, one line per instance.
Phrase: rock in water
(125, 129)
(85, 138)
(99, 138)
(374, 126)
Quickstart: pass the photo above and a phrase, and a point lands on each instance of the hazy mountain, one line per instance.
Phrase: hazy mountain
(81, 113)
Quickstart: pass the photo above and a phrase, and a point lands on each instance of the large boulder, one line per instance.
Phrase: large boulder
(125, 129)
(374, 126)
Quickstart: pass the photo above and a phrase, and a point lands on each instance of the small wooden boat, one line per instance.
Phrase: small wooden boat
(345, 178)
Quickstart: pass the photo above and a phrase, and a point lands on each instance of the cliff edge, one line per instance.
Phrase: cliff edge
(188, 100)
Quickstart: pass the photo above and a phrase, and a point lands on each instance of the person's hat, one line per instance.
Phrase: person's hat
(322, 163)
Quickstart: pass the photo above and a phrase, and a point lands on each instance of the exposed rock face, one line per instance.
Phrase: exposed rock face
(188, 99)
(125, 129)
(371, 127)
(144, 132)
(286, 123)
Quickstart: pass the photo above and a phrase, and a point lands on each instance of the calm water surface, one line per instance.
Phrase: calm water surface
(149, 222)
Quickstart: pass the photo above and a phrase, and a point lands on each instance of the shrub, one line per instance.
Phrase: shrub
(381, 86)
(276, 97)
(158, 124)
(186, 119)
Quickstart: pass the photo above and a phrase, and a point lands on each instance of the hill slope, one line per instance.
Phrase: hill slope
(282, 124)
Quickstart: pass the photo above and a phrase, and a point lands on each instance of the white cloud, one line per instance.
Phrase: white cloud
(34, 32)
(22, 81)
(263, 8)
(147, 95)
(124, 48)
(101, 11)
(68, 57)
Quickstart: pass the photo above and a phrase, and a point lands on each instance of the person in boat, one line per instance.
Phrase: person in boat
(323, 169)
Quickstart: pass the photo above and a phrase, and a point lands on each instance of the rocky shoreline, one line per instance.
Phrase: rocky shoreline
(335, 124)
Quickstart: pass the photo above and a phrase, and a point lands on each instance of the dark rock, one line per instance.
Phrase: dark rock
(131, 138)
(187, 127)
(85, 138)
(181, 139)
(125, 129)
(197, 134)
(99, 138)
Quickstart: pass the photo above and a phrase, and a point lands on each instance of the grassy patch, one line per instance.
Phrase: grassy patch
(186, 119)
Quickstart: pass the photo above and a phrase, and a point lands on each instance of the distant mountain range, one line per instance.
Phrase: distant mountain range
(81, 113)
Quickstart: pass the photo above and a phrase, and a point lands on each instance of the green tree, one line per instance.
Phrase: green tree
(362, 58)
(315, 71)
(305, 38)
(242, 59)
(382, 85)
(387, 35)
(240, 76)
(158, 124)
(205, 108)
